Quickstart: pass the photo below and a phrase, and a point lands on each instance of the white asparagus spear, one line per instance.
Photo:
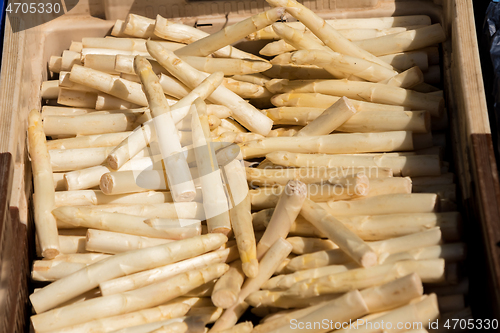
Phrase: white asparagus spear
(377, 23)
(231, 34)
(216, 205)
(286, 281)
(66, 111)
(298, 72)
(158, 274)
(406, 60)
(276, 299)
(108, 102)
(135, 300)
(404, 41)
(81, 216)
(240, 213)
(317, 100)
(257, 78)
(243, 112)
(384, 204)
(418, 315)
(75, 159)
(328, 35)
(332, 118)
(43, 183)
(50, 89)
(110, 324)
(63, 265)
(75, 46)
(72, 244)
(346, 240)
(382, 248)
(86, 279)
(364, 91)
(227, 66)
(65, 82)
(70, 58)
(89, 141)
(186, 34)
(413, 166)
(268, 265)
(287, 209)
(114, 243)
(228, 286)
(125, 44)
(427, 270)
(138, 26)
(101, 62)
(109, 84)
(450, 252)
(333, 62)
(76, 98)
(179, 178)
(55, 64)
(333, 144)
(407, 79)
(88, 124)
(182, 210)
(96, 197)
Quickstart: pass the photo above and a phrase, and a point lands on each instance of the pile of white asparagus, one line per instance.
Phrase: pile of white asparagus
(186, 181)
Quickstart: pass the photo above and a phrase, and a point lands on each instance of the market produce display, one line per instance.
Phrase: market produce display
(184, 185)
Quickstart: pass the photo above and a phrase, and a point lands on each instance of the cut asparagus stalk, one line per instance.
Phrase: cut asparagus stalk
(240, 214)
(243, 112)
(70, 58)
(216, 204)
(125, 44)
(228, 286)
(135, 225)
(101, 62)
(298, 72)
(382, 248)
(63, 265)
(449, 252)
(346, 240)
(182, 210)
(404, 41)
(384, 204)
(162, 273)
(357, 23)
(231, 34)
(209, 314)
(81, 281)
(75, 159)
(287, 210)
(330, 119)
(118, 87)
(179, 178)
(50, 89)
(43, 183)
(186, 34)
(413, 166)
(139, 26)
(88, 124)
(276, 299)
(252, 78)
(364, 91)
(110, 324)
(328, 35)
(316, 100)
(72, 244)
(427, 270)
(65, 82)
(108, 102)
(406, 60)
(334, 62)
(227, 66)
(96, 197)
(407, 79)
(131, 301)
(114, 243)
(333, 144)
(391, 185)
(302, 245)
(89, 141)
(55, 64)
(76, 98)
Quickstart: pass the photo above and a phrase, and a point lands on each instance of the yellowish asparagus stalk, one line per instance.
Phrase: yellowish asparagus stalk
(406, 60)
(102, 307)
(141, 317)
(227, 288)
(413, 166)
(179, 178)
(328, 35)
(138, 26)
(360, 278)
(114, 243)
(268, 265)
(63, 265)
(450, 252)
(89, 141)
(287, 209)
(302, 245)
(330, 119)
(331, 144)
(346, 240)
(44, 197)
(81, 281)
(89, 124)
(404, 41)
(231, 34)
(161, 273)
(216, 204)
(243, 112)
(96, 197)
(407, 79)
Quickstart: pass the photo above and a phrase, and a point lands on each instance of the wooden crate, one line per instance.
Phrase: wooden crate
(24, 67)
